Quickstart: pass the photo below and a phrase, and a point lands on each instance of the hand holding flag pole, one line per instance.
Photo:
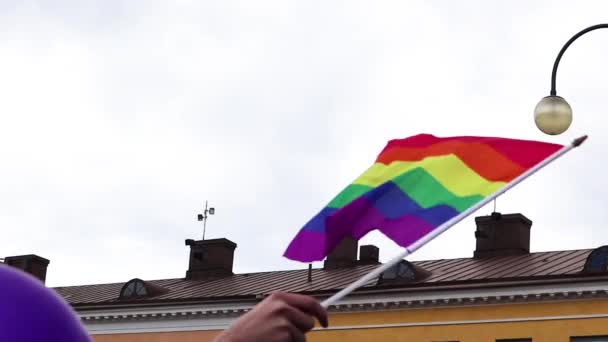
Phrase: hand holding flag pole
(446, 225)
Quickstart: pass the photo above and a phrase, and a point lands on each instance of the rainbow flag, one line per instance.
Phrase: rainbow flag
(415, 185)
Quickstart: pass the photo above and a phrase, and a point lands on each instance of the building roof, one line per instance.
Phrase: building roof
(444, 273)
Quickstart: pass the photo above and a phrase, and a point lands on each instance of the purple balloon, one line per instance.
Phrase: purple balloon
(31, 312)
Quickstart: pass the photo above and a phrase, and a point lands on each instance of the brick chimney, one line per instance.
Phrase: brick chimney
(210, 258)
(345, 255)
(29, 263)
(369, 254)
(501, 235)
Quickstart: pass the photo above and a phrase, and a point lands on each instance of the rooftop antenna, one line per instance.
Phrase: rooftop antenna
(203, 217)
(309, 273)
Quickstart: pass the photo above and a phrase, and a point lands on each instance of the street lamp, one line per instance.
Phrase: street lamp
(553, 114)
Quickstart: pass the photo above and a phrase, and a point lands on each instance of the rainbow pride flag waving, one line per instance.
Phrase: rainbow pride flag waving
(416, 185)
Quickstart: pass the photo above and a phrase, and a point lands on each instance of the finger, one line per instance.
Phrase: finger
(300, 319)
(306, 304)
(296, 334)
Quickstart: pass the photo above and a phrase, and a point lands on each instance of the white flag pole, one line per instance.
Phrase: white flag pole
(446, 225)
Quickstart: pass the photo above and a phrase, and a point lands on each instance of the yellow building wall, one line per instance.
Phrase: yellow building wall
(446, 325)
(185, 336)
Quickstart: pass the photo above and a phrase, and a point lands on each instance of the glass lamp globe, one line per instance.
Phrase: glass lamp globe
(553, 115)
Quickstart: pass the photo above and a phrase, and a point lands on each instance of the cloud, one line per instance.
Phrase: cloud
(119, 119)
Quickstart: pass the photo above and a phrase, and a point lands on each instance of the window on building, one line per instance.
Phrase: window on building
(134, 288)
(597, 262)
(402, 272)
(515, 340)
(589, 339)
(137, 289)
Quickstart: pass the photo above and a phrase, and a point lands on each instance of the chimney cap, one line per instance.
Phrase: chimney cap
(211, 242)
(498, 216)
(38, 258)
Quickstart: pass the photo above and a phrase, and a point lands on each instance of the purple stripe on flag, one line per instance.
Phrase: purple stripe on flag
(308, 246)
(359, 218)
(406, 230)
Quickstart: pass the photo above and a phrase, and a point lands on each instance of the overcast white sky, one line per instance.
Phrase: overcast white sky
(118, 119)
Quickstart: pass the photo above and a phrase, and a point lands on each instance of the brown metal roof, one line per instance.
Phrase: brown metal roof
(445, 272)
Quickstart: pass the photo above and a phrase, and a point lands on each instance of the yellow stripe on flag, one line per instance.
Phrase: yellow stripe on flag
(448, 170)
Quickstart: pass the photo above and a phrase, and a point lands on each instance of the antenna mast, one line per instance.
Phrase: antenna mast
(203, 217)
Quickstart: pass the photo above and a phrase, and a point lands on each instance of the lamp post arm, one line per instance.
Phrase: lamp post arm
(565, 47)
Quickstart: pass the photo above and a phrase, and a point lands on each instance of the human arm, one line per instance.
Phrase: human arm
(281, 317)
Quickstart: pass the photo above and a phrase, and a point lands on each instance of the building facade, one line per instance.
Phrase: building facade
(503, 293)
